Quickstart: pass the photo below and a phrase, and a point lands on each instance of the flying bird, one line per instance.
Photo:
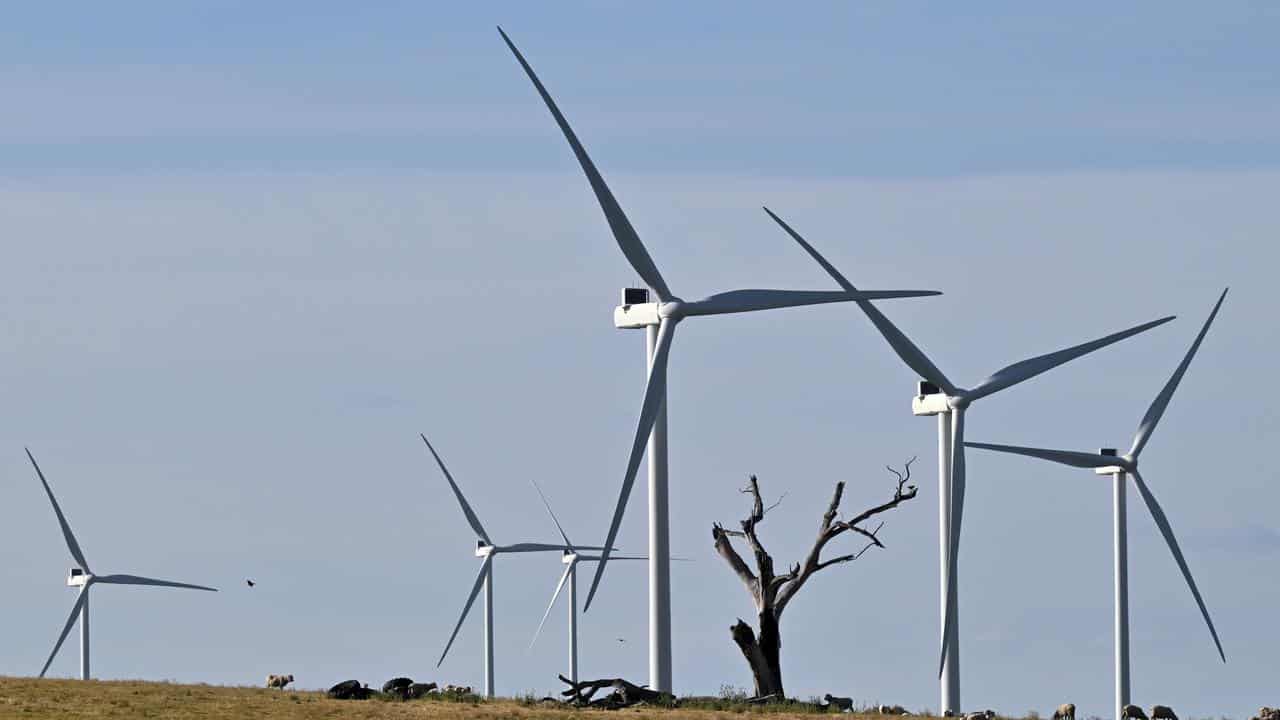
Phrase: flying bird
(250, 583)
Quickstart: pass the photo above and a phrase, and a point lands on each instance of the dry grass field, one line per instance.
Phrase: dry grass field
(33, 699)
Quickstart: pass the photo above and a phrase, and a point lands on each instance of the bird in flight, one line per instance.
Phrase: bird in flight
(250, 583)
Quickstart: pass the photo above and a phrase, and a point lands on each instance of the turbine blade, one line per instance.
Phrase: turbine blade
(740, 301)
(654, 392)
(69, 536)
(1027, 369)
(913, 356)
(559, 586)
(957, 516)
(471, 599)
(529, 547)
(1066, 457)
(466, 507)
(1154, 413)
(547, 504)
(626, 235)
(66, 629)
(139, 580)
(1157, 514)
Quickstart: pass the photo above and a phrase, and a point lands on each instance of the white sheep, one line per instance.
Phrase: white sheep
(1162, 712)
(843, 703)
(891, 710)
(1065, 711)
(278, 681)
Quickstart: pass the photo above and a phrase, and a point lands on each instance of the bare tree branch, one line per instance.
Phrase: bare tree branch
(764, 562)
(831, 528)
(726, 550)
(781, 497)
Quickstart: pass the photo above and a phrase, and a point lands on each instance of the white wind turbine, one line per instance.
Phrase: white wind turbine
(660, 320)
(487, 549)
(1107, 462)
(570, 559)
(82, 577)
(938, 396)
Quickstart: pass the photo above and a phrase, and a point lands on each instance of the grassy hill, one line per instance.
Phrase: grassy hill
(33, 699)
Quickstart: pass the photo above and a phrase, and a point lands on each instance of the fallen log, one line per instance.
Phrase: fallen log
(623, 694)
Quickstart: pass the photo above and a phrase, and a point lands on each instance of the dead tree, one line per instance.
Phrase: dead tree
(772, 592)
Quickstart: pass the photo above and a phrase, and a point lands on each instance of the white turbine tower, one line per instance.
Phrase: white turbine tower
(660, 320)
(82, 577)
(938, 396)
(570, 559)
(487, 549)
(1107, 462)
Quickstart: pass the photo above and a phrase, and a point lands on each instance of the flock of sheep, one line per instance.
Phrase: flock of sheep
(406, 689)
(401, 687)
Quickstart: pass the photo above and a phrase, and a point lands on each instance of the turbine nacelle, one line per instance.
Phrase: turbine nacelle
(931, 400)
(77, 577)
(1123, 463)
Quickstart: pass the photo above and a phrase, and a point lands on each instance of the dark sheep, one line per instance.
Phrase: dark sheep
(351, 690)
(400, 682)
(843, 704)
(398, 687)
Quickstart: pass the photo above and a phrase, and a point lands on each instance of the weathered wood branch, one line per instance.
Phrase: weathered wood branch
(725, 550)
(624, 694)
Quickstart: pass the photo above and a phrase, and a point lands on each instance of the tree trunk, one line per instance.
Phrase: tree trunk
(763, 654)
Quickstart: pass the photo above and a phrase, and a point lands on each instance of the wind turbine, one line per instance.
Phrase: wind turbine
(660, 320)
(570, 558)
(82, 577)
(938, 396)
(487, 549)
(1107, 462)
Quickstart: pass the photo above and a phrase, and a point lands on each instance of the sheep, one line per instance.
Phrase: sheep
(843, 704)
(1133, 712)
(981, 715)
(891, 710)
(1065, 711)
(420, 690)
(278, 681)
(395, 684)
(1162, 712)
(458, 689)
(351, 690)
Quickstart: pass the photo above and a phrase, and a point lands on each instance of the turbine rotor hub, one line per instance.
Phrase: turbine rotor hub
(673, 309)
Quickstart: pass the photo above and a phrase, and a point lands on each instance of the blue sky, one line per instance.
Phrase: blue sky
(253, 251)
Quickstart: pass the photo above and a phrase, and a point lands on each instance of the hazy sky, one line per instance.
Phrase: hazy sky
(252, 250)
